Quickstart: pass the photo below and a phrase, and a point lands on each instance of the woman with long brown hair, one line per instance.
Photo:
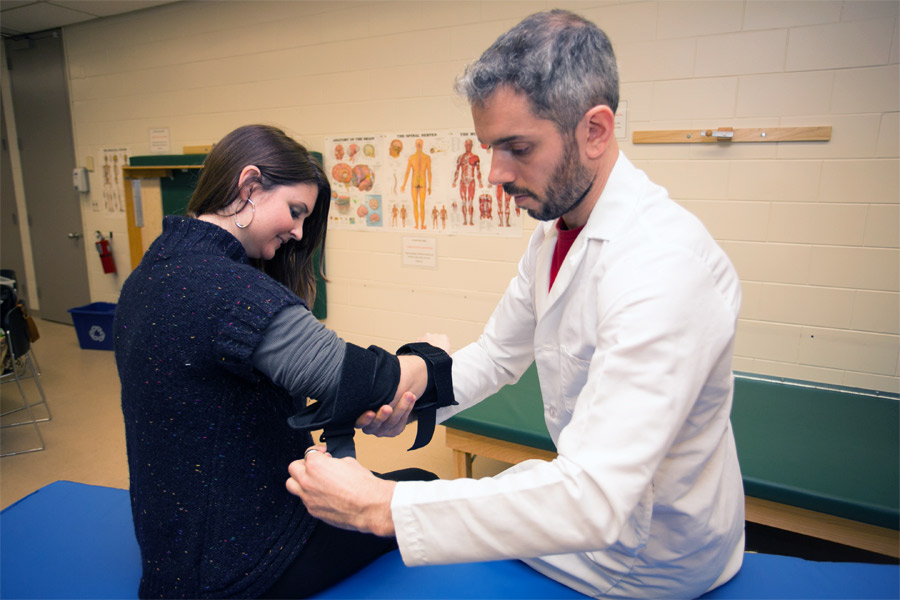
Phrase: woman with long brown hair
(216, 350)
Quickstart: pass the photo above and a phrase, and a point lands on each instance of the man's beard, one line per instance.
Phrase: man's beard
(567, 187)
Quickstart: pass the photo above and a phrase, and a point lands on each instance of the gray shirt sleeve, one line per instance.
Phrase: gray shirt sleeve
(301, 355)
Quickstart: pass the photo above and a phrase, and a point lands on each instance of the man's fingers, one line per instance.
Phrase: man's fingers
(365, 419)
(377, 421)
(401, 412)
(407, 400)
(293, 487)
(438, 340)
(391, 419)
(296, 468)
(320, 449)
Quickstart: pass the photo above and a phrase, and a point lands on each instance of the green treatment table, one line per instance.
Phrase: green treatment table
(822, 461)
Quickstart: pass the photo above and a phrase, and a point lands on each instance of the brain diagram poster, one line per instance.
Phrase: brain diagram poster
(430, 182)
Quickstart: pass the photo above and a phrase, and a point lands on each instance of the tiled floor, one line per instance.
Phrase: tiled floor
(85, 439)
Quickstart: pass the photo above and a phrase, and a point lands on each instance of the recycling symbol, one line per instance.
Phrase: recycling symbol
(97, 334)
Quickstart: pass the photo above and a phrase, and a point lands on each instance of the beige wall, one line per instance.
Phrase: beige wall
(811, 227)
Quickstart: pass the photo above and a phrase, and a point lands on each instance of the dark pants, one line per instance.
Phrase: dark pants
(331, 554)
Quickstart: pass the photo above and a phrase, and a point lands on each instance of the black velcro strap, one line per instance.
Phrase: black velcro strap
(438, 391)
(426, 420)
(339, 440)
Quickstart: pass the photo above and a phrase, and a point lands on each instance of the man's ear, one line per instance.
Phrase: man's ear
(600, 126)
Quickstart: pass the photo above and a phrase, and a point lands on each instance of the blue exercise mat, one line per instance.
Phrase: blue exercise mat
(762, 576)
(71, 540)
(388, 577)
(786, 577)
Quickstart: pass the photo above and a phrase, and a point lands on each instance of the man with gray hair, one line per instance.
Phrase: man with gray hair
(628, 308)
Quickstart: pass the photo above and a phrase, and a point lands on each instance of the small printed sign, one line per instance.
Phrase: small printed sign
(420, 252)
(159, 140)
(621, 122)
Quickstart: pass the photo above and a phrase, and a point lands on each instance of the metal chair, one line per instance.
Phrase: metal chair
(18, 366)
(9, 295)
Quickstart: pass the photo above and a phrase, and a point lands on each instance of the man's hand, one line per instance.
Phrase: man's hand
(342, 493)
(438, 340)
(390, 420)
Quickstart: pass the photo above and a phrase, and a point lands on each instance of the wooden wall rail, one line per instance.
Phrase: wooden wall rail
(724, 135)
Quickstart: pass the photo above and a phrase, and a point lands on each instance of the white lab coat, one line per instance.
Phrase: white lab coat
(633, 347)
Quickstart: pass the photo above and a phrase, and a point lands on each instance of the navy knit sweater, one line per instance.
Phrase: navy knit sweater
(208, 443)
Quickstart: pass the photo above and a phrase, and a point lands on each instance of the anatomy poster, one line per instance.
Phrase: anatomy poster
(112, 161)
(432, 182)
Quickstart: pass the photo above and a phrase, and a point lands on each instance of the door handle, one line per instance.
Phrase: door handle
(74, 236)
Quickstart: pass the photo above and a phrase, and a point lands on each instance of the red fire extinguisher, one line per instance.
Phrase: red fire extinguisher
(106, 257)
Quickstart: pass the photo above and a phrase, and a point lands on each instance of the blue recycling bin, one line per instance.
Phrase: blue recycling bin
(94, 325)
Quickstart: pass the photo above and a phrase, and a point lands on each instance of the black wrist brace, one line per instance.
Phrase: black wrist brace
(438, 391)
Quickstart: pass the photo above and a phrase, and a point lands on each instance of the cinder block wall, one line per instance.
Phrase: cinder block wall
(811, 227)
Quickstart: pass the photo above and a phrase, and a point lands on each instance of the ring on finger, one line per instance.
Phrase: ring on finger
(308, 450)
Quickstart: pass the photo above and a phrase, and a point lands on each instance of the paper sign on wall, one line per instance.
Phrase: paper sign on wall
(621, 121)
(159, 140)
(420, 252)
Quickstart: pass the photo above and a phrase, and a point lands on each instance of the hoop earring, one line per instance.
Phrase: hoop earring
(252, 214)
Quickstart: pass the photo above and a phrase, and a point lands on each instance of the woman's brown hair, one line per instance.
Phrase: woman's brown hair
(281, 161)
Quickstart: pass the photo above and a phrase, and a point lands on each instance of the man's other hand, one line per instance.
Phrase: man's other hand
(342, 492)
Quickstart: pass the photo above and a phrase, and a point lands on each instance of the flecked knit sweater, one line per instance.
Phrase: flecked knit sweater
(208, 443)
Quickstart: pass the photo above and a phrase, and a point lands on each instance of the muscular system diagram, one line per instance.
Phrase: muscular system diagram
(468, 171)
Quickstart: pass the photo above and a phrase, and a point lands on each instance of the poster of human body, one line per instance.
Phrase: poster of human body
(113, 159)
(423, 182)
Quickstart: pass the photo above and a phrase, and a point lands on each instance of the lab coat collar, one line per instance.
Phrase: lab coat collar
(606, 218)
(609, 213)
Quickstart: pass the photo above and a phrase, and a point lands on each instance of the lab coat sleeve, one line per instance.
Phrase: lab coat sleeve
(662, 327)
